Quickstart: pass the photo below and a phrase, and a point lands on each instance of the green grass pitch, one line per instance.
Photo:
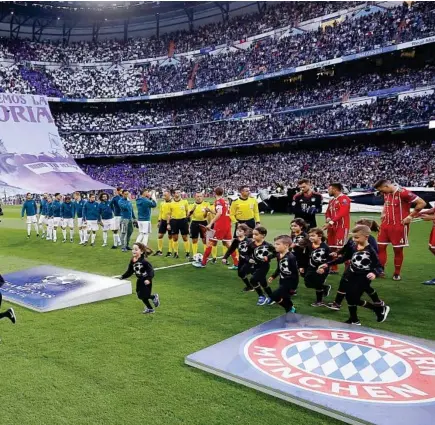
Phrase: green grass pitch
(105, 363)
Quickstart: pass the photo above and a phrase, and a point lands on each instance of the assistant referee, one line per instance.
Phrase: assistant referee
(245, 209)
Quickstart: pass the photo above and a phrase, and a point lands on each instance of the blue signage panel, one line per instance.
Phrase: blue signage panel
(48, 288)
(355, 374)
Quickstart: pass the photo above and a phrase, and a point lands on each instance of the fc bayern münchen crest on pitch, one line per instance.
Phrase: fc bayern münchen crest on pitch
(359, 366)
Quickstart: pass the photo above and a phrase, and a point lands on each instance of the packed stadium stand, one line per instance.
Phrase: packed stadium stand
(290, 81)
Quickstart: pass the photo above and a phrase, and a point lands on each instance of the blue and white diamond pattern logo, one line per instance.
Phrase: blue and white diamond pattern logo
(348, 362)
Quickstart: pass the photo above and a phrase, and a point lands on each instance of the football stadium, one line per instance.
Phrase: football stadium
(217, 212)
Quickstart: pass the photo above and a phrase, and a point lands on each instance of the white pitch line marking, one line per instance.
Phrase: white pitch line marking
(176, 265)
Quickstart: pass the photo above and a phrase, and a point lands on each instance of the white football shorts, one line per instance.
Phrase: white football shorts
(68, 222)
(144, 227)
(31, 219)
(108, 224)
(92, 225)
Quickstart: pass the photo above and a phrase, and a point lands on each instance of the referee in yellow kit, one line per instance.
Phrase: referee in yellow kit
(245, 209)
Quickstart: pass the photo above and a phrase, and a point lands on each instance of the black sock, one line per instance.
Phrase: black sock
(352, 312)
(366, 304)
(319, 295)
(268, 291)
(339, 298)
(258, 290)
(287, 304)
(246, 282)
(374, 297)
(4, 314)
(147, 303)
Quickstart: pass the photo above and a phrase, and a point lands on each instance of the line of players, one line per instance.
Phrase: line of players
(396, 217)
(62, 211)
(299, 254)
(309, 255)
(176, 216)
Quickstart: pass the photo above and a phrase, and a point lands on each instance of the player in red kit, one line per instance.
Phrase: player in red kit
(395, 218)
(219, 229)
(429, 215)
(337, 219)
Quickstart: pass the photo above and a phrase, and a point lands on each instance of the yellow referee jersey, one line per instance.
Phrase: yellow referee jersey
(164, 209)
(179, 209)
(199, 213)
(244, 209)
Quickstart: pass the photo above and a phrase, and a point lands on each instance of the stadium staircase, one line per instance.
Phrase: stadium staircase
(402, 25)
(171, 49)
(191, 82)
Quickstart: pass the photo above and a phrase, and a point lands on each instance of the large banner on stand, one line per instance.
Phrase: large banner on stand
(32, 156)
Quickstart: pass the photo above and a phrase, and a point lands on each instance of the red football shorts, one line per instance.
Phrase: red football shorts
(337, 237)
(394, 234)
(432, 238)
(222, 234)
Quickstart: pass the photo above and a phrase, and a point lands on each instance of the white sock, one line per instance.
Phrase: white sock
(54, 234)
(29, 229)
(139, 237)
(86, 234)
(35, 225)
(71, 233)
(64, 233)
(145, 239)
(115, 239)
(93, 238)
(82, 236)
(49, 232)
(119, 239)
(105, 236)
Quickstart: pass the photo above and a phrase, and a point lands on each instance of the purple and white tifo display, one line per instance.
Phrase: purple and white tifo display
(48, 288)
(32, 156)
(355, 374)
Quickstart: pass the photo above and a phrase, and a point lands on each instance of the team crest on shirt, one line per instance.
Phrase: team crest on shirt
(243, 247)
(284, 267)
(360, 366)
(298, 239)
(319, 255)
(261, 252)
(139, 269)
(361, 260)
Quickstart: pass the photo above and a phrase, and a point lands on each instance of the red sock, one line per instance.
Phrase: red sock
(207, 253)
(235, 259)
(334, 268)
(383, 254)
(398, 260)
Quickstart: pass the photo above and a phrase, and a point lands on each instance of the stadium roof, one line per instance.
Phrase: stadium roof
(86, 10)
(89, 20)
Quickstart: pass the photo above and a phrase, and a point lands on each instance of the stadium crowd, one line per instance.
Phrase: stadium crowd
(321, 121)
(326, 90)
(407, 164)
(216, 33)
(350, 36)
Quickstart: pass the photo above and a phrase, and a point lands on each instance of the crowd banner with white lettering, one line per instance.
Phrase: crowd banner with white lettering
(32, 156)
